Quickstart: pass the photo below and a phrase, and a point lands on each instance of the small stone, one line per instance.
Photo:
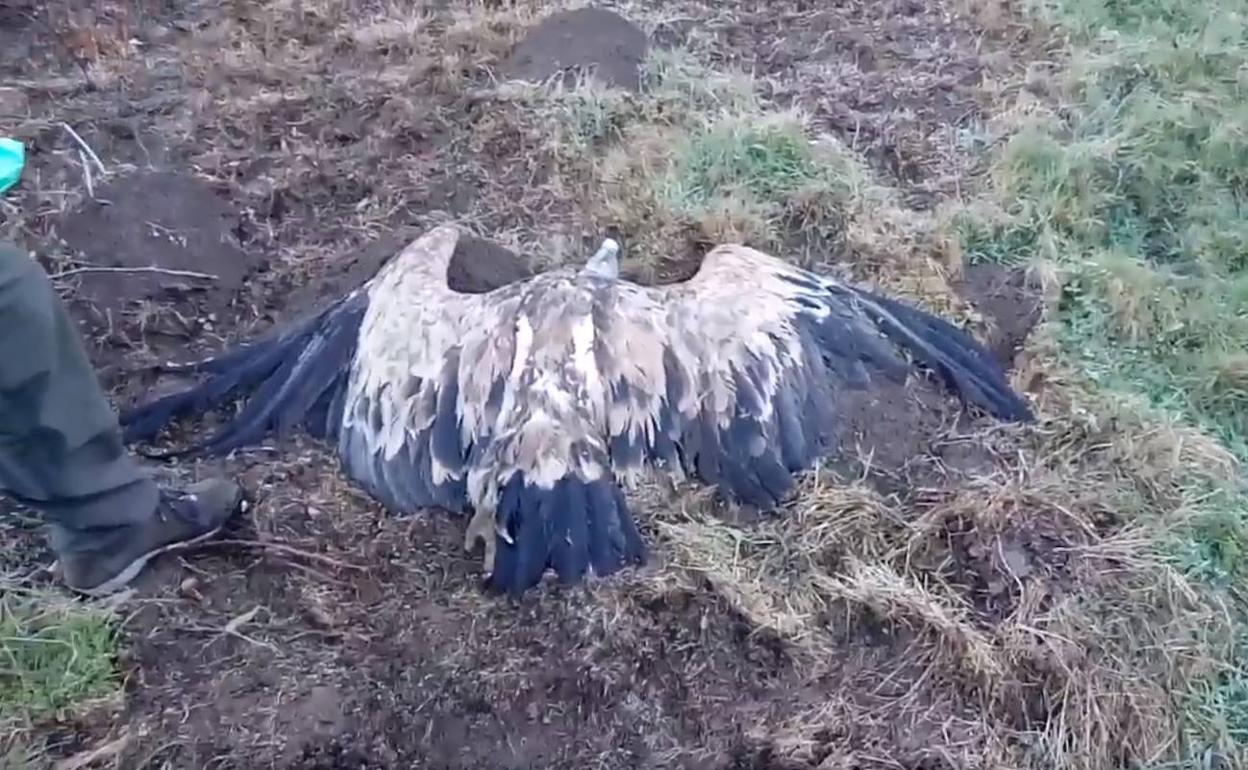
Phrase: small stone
(190, 589)
(1016, 561)
(13, 102)
(319, 617)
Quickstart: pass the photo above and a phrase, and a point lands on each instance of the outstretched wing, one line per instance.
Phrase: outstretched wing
(428, 377)
(734, 376)
(404, 373)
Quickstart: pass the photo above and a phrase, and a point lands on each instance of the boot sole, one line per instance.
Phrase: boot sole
(131, 570)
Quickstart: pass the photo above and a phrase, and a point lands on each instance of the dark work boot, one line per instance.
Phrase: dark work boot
(183, 517)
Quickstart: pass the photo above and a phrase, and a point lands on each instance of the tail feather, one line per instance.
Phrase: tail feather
(965, 365)
(293, 377)
(572, 527)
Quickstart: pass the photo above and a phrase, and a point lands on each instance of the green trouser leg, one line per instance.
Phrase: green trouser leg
(60, 444)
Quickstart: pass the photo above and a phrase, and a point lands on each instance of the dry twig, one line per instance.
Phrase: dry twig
(86, 148)
(286, 549)
(153, 269)
(86, 173)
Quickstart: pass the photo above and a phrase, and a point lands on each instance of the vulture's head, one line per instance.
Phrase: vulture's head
(605, 262)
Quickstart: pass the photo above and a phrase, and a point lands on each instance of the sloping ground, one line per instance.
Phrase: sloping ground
(968, 595)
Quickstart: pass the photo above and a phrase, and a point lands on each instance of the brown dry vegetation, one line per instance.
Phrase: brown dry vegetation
(951, 594)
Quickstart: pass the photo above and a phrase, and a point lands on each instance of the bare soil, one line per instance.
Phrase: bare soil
(1006, 298)
(157, 263)
(362, 640)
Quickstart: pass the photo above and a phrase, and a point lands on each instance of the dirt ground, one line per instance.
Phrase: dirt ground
(263, 157)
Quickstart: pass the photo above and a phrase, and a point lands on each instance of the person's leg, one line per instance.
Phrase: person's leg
(60, 446)
(61, 449)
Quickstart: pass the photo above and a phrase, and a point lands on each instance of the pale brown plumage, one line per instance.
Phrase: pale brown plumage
(528, 403)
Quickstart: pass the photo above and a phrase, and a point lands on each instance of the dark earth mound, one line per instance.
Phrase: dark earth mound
(588, 39)
(157, 236)
(1003, 295)
(151, 267)
(480, 265)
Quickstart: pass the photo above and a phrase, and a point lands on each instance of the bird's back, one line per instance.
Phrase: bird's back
(549, 420)
(544, 478)
(524, 403)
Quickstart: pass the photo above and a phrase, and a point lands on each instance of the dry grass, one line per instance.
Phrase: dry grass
(1126, 180)
(1062, 613)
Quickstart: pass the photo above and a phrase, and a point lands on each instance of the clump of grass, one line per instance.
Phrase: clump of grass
(585, 115)
(766, 572)
(55, 656)
(680, 86)
(750, 169)
(767, 158)
(695, 157)
(675, 90)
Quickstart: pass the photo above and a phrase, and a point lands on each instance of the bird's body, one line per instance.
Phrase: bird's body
(527, 405)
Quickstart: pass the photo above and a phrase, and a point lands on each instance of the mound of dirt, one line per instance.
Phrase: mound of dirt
(155, 270)
(591, 39)
(480, 266)
(158, 265)
(157, 235)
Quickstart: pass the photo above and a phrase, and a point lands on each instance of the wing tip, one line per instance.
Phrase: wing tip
(284, 379)
(965, 364)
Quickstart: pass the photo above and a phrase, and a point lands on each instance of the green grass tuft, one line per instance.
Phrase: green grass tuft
(757, 169)
(54, 655)
(768, 161)
(698, 155)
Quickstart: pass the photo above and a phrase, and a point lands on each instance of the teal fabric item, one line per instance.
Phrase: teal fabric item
(12, 159)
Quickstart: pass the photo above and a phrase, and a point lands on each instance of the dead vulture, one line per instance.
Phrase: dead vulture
(527, 404)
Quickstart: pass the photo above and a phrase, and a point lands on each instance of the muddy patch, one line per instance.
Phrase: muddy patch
(591, 40)
(1012, 305)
